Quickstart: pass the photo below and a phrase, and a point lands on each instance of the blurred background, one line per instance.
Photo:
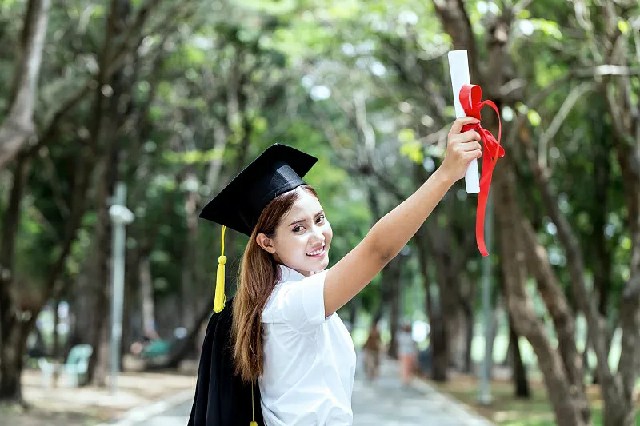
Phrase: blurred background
(120, 119)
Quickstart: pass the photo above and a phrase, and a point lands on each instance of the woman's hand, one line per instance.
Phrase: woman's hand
(462, 148)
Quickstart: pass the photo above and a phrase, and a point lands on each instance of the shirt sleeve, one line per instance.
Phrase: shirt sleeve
(299, 304)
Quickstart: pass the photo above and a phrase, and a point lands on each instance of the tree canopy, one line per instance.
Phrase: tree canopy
(172, 98)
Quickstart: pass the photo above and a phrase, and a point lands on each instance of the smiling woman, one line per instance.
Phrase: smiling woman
(285, 333)
(303, 237)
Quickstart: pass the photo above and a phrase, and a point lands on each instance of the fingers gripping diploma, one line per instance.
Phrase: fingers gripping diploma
(462, 147)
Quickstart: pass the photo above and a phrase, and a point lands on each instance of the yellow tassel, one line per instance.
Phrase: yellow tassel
(253, 408)
(219, 298)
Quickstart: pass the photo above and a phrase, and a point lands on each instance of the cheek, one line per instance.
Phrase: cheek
(328, 232)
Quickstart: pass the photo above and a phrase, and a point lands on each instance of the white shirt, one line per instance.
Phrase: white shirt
(406, 344)
(309, 360)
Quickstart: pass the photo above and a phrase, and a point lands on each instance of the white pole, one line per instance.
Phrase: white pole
(120, 217)
(459, 71)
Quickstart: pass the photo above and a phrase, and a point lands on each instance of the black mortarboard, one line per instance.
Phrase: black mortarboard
(277, 170)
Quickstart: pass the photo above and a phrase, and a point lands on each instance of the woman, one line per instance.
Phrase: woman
(371, 349)
(285, 333)
(407, 354)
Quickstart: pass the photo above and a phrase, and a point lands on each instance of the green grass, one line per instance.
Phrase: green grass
(506, 410)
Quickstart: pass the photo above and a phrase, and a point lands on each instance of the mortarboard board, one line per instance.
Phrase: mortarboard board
(277, 170)
(221, 397)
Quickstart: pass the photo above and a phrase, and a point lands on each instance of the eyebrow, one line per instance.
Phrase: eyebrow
(304, 220)
(297, 221)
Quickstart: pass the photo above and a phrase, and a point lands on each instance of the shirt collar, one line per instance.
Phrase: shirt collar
(288, 274)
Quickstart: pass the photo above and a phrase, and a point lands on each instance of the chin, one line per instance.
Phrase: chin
(314, 269)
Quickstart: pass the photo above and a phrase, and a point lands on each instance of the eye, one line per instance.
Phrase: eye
(320, 219)
(297, 229)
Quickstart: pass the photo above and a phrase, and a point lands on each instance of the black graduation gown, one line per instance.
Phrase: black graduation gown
(221, 397)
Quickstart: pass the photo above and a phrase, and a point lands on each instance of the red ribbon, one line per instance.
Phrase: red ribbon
(472, 103)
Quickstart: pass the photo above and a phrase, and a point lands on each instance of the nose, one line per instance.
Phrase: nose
(318, 233)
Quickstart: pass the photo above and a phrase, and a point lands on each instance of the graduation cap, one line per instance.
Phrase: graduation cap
(221, 397)
(277, 170)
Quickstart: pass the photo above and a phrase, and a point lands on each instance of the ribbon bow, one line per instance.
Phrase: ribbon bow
(472, 103)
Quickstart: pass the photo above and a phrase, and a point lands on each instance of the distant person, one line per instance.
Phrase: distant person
(371, 349)
(282, 331)
(138, 346)
(407, 354)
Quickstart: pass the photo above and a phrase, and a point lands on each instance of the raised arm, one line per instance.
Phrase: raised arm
(387, 237)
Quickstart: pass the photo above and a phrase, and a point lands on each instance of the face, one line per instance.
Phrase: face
(302, 238)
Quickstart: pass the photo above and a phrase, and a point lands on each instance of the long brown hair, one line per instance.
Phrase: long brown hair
(258, 275)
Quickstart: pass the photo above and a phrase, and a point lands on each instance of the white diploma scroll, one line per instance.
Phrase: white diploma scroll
(459, 71)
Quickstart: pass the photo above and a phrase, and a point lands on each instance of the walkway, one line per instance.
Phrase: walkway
(381, 403)
(386, 402)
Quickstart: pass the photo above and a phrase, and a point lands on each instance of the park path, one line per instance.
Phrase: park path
(386, 402)
(383, 402)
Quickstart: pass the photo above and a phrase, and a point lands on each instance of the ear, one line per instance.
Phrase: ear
(265, 243)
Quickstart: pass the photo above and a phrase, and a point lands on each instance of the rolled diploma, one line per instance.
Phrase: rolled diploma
(459, 71)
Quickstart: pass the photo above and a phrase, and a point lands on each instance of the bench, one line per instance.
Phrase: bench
(74, 369)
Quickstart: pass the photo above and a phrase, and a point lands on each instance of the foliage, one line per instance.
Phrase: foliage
(362, 85)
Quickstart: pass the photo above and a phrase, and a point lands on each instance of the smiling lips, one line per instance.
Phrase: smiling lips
(319, 252)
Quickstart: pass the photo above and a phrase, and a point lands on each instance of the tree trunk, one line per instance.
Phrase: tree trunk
(189, 283)
(622, 101)
(108, 112)
(77, 205)
(513, 359)
(469, 328)
(18, 125)
(567, 405)
(100, 278)
(439, 347)
(11, 365)
(618, 395)
(566, 401)
(493, 331)
(447, 308)
(602, 254)
(79, 182)
(555, 301)
(521, 387)
(12, 361)
(458, 334)
(55, 351)
(391, 279)
(553, 297)
(148, 301)
(12, 318)
(438, 342)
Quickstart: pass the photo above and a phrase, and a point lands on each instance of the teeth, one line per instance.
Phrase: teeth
(316, 252)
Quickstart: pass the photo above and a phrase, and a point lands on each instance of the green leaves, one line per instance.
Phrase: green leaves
(362, 85)
(410, 147)
(546, 27)
(193, 156)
